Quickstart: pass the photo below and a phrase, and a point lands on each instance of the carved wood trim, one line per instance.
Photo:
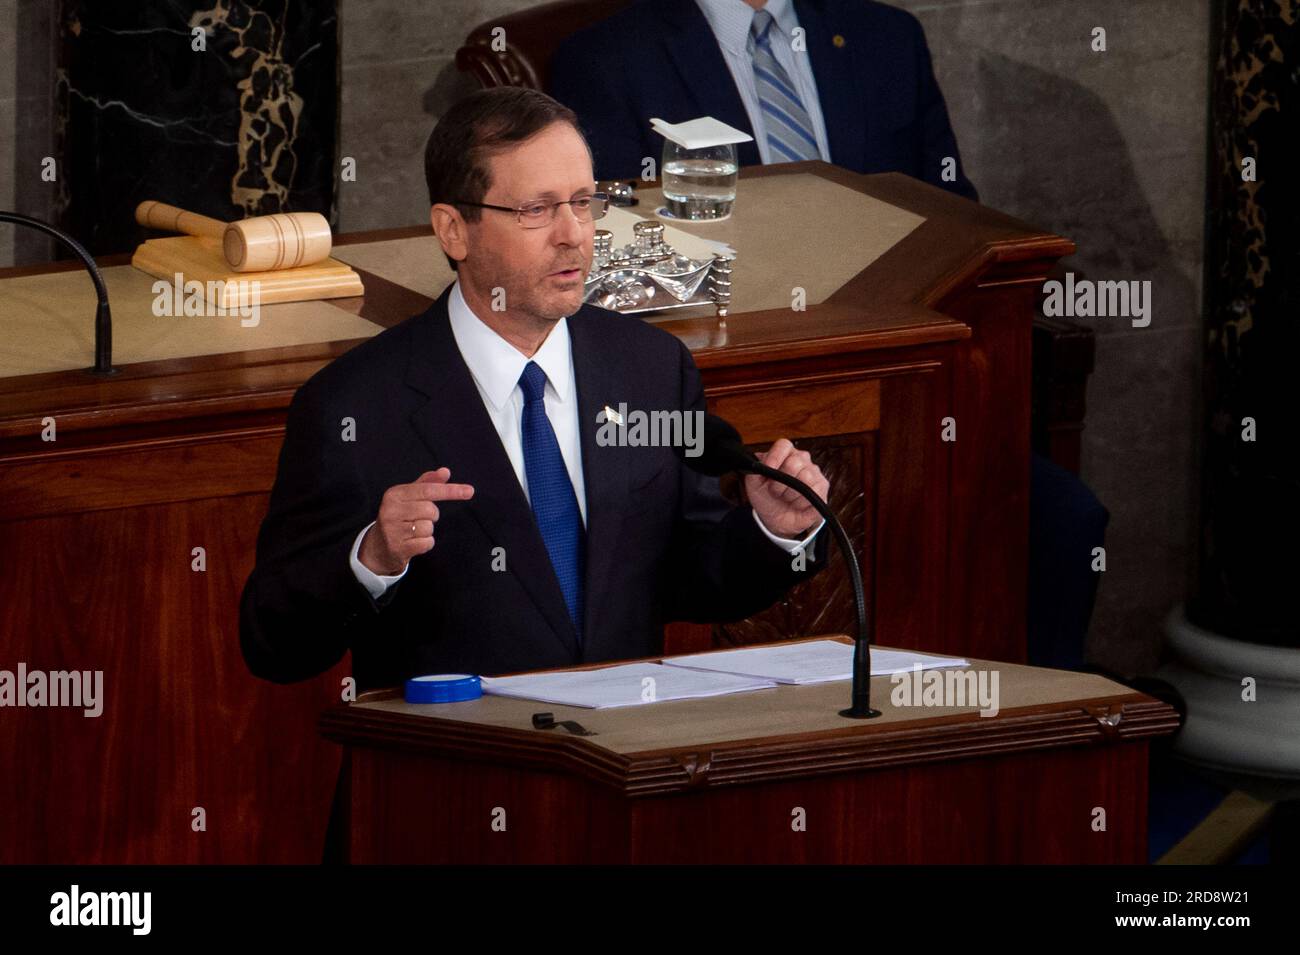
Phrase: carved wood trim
(852, 749)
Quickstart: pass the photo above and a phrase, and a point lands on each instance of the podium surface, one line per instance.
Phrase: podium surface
(1058, 774)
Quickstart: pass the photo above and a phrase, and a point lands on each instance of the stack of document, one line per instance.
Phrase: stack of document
(707, 674)
(817, 661)
(629, 685)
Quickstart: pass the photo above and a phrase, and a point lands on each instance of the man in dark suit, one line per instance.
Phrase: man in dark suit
(847, 81)
(476, 426)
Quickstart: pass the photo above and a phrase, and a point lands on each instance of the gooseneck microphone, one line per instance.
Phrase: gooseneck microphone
(723, 453)
(103, 318)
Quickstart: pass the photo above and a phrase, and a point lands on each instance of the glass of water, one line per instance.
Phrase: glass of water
(699, 184)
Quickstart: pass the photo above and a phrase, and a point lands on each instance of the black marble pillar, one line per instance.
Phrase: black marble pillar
(247, 126)
(1249, 580)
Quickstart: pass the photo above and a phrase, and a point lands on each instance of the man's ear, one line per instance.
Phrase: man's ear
(450, 228)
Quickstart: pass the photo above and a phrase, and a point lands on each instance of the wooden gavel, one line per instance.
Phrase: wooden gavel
(285, 240)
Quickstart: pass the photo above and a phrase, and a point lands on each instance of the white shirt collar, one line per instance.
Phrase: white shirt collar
(731, 19)
(496, 364)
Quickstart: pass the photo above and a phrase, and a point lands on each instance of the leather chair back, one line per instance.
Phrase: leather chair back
(530, 39)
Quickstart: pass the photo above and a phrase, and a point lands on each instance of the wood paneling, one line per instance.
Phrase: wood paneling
(764, 412)
(135, 474)
(184, 725)
(1021, 788)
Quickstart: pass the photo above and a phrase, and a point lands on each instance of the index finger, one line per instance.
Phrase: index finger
(434, 486)
(446, 492)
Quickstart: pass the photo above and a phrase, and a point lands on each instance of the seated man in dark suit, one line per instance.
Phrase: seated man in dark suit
(847, 81)
(475, 426)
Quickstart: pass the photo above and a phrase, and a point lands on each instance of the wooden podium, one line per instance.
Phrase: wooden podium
(1058, 774)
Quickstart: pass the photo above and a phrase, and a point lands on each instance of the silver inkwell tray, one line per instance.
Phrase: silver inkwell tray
(650, 276)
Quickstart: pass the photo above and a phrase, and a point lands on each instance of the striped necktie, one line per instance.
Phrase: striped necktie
(551, 494)
(789, 130)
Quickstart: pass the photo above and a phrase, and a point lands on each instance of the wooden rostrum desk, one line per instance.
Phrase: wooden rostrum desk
(1057, 774)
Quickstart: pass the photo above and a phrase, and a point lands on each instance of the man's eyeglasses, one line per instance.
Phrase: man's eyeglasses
(535, 215)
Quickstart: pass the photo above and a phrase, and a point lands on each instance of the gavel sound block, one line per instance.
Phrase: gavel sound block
(288, 255)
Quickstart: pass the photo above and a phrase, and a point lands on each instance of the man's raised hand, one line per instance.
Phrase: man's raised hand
(407, 515)
(783, 510)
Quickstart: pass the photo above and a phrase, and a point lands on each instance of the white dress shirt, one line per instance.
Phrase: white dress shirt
(496, 367)
(730, 21)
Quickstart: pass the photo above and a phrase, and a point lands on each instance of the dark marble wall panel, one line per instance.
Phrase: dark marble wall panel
(244, 127)
(1251, 516)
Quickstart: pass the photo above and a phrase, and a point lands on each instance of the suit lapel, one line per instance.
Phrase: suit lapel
(840, 97)
(455, 426)
(602, 380)
(703, 73)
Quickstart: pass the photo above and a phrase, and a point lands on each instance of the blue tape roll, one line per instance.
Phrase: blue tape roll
(443, 688)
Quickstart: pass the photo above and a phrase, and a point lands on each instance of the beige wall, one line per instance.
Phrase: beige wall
(1109, 150)
(27, 45)
(399, 75)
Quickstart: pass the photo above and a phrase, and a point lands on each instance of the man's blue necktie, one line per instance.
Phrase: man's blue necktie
(550, 492)
(789, 129)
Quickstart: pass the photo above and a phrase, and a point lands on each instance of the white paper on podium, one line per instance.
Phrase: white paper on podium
(621, 685)
(820, 661)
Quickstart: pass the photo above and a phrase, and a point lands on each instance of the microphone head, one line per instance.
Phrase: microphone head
(722, 450)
